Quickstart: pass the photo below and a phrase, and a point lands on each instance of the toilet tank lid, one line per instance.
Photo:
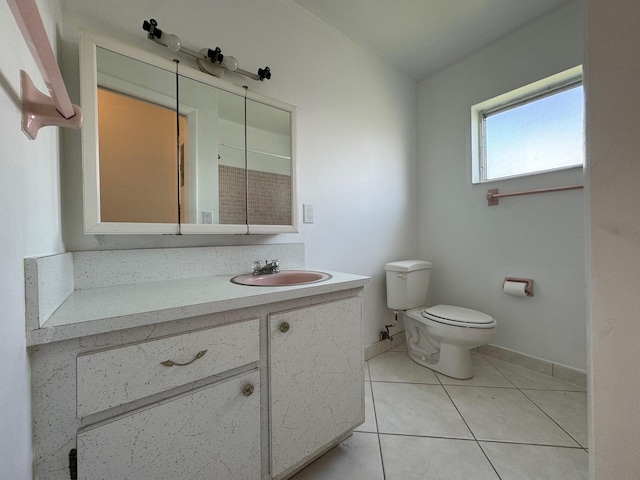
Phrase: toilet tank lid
(407, 266)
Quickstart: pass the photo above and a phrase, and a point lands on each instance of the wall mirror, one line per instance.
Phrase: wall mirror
(168, 149)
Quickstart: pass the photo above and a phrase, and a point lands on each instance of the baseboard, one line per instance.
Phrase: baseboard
(382, 346)
(561, 372)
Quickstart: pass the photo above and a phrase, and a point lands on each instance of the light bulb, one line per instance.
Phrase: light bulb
(229, 62)
(172, 41)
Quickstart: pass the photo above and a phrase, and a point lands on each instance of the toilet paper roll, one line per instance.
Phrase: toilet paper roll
(517, 289)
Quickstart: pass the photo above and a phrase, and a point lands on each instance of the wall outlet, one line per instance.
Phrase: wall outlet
(207, 217)
(307, 213)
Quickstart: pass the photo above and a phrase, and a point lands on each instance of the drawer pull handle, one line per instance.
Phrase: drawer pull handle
(284, 327)
(171, 363)
(247, 390)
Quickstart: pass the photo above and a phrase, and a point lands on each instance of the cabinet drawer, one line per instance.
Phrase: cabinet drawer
(112, 377)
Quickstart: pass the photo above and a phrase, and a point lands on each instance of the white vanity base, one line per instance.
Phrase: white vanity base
(261, 403)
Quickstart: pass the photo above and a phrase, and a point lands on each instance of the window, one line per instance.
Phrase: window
(535, 129)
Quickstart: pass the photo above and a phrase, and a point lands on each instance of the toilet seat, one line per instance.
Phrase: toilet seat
(458, 316)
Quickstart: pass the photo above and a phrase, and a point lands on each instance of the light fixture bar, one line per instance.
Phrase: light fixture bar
(211, 61)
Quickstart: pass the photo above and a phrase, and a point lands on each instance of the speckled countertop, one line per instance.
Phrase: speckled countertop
(106, 309)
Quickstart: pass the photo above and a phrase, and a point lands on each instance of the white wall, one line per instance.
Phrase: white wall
(31, 225)
(613, 146)
(356, 129)
(473, 246)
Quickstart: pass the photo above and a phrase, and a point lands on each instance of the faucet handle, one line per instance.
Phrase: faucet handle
(275, 263)
(257, 265)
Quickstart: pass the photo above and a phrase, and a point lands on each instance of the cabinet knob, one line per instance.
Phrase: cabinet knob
(284, 327)
(247, 390)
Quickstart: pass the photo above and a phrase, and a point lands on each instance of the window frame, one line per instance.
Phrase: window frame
(522, 96)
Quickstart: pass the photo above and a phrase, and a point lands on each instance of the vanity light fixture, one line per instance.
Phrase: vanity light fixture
(211, 61)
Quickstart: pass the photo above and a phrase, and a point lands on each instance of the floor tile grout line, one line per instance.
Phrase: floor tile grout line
(447, 384)
(485, 440)
(459, 412)
(489, 460)
(498, 370)
(415, 435)
(504, 442)
(375, 416)
(470, 430)
(403, 382)
(549, 416)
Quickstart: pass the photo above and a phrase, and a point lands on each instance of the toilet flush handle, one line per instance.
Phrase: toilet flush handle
(401, 275)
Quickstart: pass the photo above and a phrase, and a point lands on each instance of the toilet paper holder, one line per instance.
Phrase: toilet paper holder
(528, 281)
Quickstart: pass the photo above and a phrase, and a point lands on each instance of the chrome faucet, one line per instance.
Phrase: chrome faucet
(272, 266)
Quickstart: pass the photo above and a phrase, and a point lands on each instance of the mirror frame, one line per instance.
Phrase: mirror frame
(89, 41)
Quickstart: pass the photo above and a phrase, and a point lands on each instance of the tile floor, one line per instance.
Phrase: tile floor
(506, 423)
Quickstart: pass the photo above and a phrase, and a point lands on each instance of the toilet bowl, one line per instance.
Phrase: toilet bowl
(440, 337)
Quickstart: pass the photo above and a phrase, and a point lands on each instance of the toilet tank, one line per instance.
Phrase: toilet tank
(407, 283)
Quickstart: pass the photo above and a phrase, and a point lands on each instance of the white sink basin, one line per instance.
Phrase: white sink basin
(282, 279)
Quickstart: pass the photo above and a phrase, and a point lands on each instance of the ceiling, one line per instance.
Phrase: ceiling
(419, 37)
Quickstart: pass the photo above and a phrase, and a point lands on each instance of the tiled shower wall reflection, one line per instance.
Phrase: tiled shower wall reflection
(271, 207)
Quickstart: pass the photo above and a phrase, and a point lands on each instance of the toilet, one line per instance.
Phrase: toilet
(441, 336)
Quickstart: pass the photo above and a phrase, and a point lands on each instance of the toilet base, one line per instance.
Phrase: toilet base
(452, 360)
(441, 347)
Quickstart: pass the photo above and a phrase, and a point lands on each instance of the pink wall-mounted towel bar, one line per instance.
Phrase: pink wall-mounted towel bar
(38, 109)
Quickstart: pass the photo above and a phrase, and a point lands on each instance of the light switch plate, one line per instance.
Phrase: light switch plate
(307, 213)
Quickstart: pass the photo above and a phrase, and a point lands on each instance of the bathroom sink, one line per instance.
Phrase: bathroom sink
(282, 279)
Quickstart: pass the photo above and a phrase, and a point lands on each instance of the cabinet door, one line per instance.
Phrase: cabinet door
(211, 433)
(316, 379)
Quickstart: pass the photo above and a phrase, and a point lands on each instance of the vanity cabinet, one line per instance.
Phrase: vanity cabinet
(316, 380)
(209, 433)
(279, 383)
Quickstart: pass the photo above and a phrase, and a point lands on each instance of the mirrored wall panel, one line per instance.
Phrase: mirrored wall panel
(214, 118)
(269, 167)
(137, 147)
